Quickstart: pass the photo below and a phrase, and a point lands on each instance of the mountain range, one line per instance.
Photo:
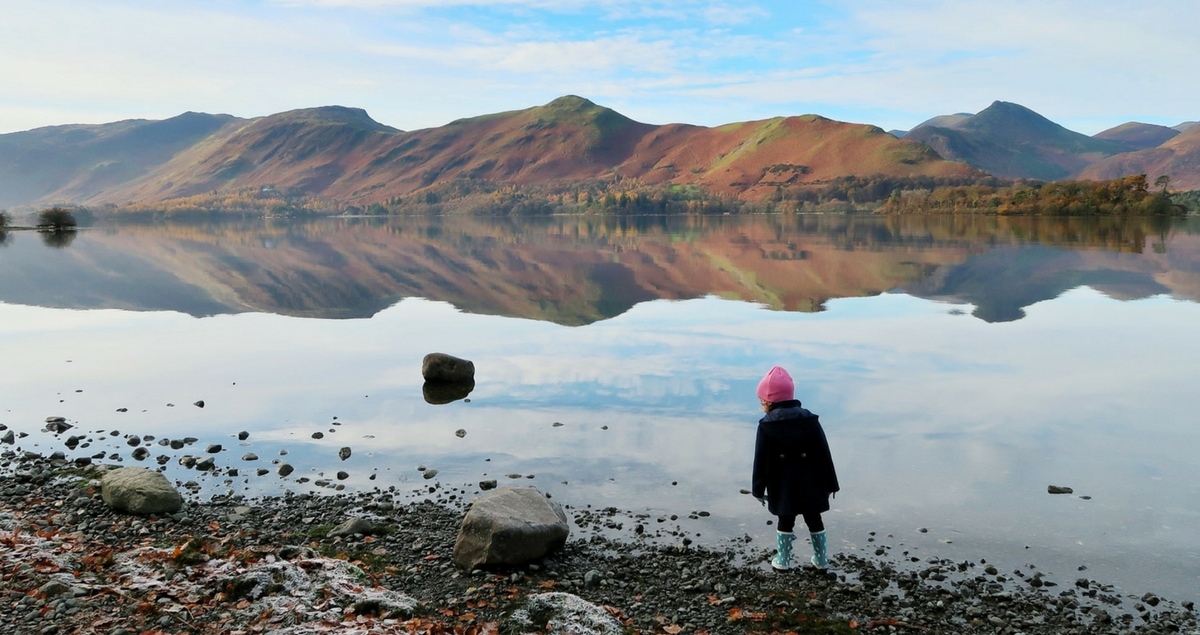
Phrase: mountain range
(341, 155)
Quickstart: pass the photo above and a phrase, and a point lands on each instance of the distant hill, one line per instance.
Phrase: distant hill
(1011, 141)
(75, 162)
(1138, 136)
(1178, 158)
(341, 154)
(1185, 125)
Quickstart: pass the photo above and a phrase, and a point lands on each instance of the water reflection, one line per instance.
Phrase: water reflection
(578, 270)
(440, 393)
(58, 238)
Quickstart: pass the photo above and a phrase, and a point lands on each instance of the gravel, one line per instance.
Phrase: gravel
(293, 564)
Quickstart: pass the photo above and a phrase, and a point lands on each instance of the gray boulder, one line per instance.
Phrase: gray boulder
(354, 526)
(510, 525)
(440, 367)
(138, 490)
(561, 614)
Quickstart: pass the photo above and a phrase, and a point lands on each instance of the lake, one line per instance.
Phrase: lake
(959, 366)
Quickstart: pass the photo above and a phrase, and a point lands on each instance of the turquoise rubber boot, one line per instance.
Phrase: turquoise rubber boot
(783, 543)
(820, 557)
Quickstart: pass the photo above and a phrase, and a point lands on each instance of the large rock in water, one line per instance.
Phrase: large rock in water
(138, 490)
(440, 367)
(510, 525)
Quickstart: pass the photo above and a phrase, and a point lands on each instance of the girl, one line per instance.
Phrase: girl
(793, 470)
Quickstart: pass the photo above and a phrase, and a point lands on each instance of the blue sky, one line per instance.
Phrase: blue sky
(1086, 64)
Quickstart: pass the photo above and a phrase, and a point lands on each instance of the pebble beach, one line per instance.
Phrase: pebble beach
(379, 562)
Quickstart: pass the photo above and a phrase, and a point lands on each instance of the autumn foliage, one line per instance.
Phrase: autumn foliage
(1127, 196)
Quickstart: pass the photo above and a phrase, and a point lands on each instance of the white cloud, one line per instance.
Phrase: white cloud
(417, 63)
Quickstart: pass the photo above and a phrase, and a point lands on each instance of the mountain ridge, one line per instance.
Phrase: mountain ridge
(341, 154)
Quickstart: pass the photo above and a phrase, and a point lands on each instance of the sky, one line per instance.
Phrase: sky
(1086, 64)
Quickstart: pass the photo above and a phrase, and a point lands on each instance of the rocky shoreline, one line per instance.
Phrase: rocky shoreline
(294, 565)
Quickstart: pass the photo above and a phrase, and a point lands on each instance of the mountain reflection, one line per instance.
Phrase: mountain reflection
(575, 270)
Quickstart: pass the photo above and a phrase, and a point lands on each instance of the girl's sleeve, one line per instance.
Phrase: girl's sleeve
(831, 479)
(758, 479)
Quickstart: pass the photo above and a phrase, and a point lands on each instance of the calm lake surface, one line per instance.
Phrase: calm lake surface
(959, 367)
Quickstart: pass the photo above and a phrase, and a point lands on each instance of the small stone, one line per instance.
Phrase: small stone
(488, 484)
(1058, 489)
(249, 456)
(243, 435)
(285, 469)
(199, 404)
(318, 435)
(344, 453)
(428, 474)
(460, 433)
(214, 448)
(54, 587)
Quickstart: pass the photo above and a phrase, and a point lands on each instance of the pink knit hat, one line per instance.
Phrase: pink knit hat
(776, 386)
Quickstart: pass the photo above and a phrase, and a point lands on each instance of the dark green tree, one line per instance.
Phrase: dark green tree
(1162, 181)
(56, 219)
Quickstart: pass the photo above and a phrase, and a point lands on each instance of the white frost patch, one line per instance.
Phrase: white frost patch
(290, 597)
(564, 614)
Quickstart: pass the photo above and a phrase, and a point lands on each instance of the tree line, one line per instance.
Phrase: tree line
(1131, 195)
(1126, 196)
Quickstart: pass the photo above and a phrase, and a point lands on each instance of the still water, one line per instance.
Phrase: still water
(959, 367)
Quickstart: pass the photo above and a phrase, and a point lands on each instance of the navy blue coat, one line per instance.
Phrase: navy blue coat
(792, 464)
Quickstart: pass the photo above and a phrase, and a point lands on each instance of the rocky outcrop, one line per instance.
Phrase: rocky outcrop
(137, 490)
(510, 526)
